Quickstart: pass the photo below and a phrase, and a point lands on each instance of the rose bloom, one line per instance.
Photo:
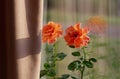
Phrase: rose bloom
(96, 25)
(76, 36)
(51, 32)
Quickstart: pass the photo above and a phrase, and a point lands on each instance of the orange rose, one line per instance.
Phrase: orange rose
(51, 32)
(76, 36)
(96, 24)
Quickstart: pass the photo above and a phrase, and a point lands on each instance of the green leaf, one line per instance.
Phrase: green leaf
(78, 64)
(93, 60)
(76, 53)
(81, 58)
(72, 46)
(74, 65)
(65, 76)
(42, 73)
(73, 77)
(88, 64)
(61, 56)
(51, 72)
(85, 46)
(46, 65)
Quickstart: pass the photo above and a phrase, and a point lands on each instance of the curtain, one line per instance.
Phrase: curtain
(21, 21)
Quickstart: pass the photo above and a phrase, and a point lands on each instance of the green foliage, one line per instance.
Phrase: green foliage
(42, 73)
(51, 72)
(64, 76)
(72, 66)
(72, 46)
(50, 65)
(60, 56)
(76, 53)
(75, 65)
(48, 72)
(88, 64)
(73, 77)
(46, 65)
(81, 62)
(81, 58)
(93, 60)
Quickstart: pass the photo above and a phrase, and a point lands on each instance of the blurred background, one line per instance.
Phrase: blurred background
(106, 45)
